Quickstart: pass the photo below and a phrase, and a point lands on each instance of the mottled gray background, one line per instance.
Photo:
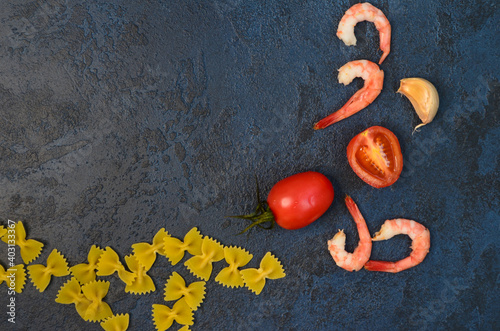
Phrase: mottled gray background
(119, 118)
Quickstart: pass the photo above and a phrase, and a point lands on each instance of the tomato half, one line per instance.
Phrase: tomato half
(300, 199)
(375, 156)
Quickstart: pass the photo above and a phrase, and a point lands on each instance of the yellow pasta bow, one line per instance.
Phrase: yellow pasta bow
(270, 268)
(174, 248)
(71, 293)
(30, 248)
(14, 277)
(236, 257)
(3, 231)
(95, 291)
(146, 253)
(163, 316)
(116, 323)
(56, 266)
(184, 328)
(109, 263)
(176, 288)
(201, 265)
(85, 273)
(142, 282)
(87, 299)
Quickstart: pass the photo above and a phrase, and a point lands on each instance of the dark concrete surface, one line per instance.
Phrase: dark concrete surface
(119, 118)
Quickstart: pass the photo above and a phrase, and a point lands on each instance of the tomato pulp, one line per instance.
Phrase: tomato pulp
(300, 199)
(375, 156)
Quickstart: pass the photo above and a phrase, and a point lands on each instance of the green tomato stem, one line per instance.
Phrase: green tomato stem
(262, 214)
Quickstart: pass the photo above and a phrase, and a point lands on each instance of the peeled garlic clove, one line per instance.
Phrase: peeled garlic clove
(423, 96)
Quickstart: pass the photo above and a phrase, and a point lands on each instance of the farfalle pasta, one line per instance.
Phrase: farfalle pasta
(56, 266)
(14, 277)
(3, 231)
(142, 282)
(85, 272)
(30, 248)
(174, 248)
(164, 317)
(146, 253)
(71, 293)
(109, 263)
(116, 323)
(95, 292)
(87, 293)
(176, 288)
(236, 257)
(270, 268)
(201, 265)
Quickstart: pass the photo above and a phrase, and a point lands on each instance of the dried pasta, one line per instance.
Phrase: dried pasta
(56, 266)
(85, 272)
(87, 293)
(270, 268)
(146, 253)
(109, 263)
(3, 231)
(14, 277)
(236, 257)
(95, 291)
(71, 293)
(142, 282)
(30, 248)
(175, 288)
(174, 248)
(163, 316)
(116, 323)
(201, 265)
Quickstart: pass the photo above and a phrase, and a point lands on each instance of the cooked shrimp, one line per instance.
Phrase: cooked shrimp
(421, 242)
(356, 260)
(374, 81)
(365, 12)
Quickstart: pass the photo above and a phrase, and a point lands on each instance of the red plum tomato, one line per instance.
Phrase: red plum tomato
(300, 199)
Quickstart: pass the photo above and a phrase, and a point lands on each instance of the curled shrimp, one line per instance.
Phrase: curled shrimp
(421, 242)
(374, 81)
(365, 12)
(356, 260)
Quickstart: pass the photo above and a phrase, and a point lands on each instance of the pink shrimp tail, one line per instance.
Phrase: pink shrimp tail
(352, 207)
(356, 103)
(381, 266)
(384, 55)
(385, 43)
(358, 219)
(406, 263)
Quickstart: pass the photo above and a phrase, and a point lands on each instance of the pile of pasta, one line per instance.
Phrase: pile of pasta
(87, 293)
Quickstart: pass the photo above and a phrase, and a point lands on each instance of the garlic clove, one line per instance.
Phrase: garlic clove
(423, 96)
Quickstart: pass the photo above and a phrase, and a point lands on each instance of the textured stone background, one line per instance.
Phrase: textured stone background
(119, 118)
